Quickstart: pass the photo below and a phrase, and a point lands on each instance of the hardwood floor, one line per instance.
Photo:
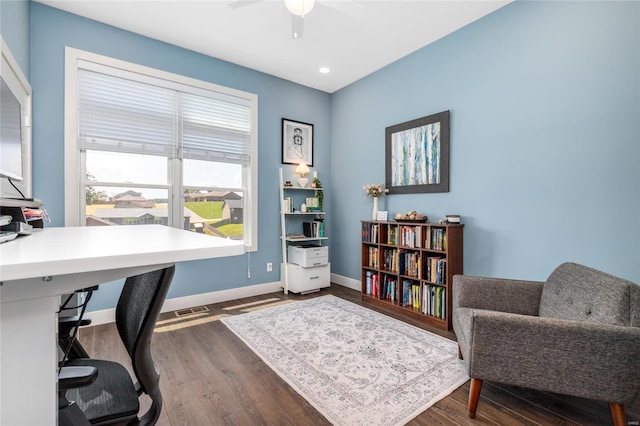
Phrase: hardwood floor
(210, 377)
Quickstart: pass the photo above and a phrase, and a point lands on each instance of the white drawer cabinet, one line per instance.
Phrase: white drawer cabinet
(305, 280)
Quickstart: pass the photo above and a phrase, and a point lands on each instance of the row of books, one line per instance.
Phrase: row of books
(411, 294)
(411, 236)
(437, 240)
(370, 232)
(434, 301)
(372, 286)
(430, 301)
(410, 264)
(390, 260)
(392, 235)
(374, 257)
(407, 236)
(385, 288)
(313, 229)
(287, 206)
(389, 288)
(436, 270)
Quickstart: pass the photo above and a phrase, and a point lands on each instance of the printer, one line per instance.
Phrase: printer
(308, 255)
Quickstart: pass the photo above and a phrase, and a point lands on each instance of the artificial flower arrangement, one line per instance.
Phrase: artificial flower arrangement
(374, 190)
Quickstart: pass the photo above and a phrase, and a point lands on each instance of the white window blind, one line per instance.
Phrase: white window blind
(124, 115)
(215, 130)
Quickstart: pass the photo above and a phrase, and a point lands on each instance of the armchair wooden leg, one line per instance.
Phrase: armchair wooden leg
(474, 396)
(617, 414)
(459, 353)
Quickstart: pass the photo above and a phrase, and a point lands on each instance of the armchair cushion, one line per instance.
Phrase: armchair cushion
(578, 358)
(577, 292)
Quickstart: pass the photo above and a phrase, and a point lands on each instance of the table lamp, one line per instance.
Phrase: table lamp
(302, 170)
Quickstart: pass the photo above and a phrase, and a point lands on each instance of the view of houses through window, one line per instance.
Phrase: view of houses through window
(132, 189)
(217, 213)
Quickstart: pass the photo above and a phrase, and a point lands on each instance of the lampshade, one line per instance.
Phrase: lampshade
(299, 7)
(302, 169)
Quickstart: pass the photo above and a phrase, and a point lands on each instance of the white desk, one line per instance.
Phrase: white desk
(35, 270)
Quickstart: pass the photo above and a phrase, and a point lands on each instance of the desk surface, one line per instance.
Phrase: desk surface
(71, 258)
(67, 250)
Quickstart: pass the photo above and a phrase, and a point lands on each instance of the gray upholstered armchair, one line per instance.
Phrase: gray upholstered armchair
(577, 334)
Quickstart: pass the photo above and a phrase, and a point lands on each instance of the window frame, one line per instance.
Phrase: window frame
(76, 59)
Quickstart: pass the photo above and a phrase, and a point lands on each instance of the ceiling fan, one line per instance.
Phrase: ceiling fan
(298, 8)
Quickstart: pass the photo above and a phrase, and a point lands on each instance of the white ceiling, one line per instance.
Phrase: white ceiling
(352, 37)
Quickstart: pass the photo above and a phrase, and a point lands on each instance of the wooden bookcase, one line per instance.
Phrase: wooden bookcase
(409, 267)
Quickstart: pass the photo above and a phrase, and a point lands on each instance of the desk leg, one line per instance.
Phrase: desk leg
(28, 362)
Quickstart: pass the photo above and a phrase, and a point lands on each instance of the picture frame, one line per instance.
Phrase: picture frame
(297, 142)
(312, 202)
(382, 215)
(417, 155)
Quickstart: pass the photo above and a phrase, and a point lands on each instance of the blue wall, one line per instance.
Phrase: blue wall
(14, 27)
(52, 30)
(545, 139)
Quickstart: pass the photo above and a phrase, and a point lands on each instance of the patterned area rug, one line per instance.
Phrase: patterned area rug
(354, 365)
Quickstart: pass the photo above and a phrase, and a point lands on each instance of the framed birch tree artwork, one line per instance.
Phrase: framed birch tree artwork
(417, 155)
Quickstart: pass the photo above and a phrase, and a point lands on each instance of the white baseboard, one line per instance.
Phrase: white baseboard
(109, 315)
(346, 282)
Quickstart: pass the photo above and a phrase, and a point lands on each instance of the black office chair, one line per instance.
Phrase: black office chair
(68, 325)
(113, 398)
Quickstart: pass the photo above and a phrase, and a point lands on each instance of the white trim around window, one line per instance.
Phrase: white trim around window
(74, 190)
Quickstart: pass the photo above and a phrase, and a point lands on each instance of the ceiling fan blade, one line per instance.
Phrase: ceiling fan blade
(297, 24)
(235, 4)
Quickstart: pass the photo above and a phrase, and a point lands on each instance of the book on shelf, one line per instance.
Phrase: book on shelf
(392, 235)
(411, 294)
(436, 270)
(437, 239)
(375, 285)
(390, 260)
(389, 286)
(286, 205)
(373, 257)
(370, 232)
(410, 264)
(313, 229)
(372, 285)
(411, 236)
(434, 301)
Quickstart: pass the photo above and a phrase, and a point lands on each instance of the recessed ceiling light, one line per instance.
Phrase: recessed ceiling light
(324, 70)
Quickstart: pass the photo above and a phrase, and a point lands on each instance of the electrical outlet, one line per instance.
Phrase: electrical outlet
(269, 267)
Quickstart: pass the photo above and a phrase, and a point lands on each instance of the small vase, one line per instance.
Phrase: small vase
(374, 214)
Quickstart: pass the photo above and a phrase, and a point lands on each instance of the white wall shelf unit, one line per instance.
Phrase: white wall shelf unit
(305, 232)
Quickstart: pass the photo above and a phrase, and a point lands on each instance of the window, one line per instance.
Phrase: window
(16, 88)
(144, 146)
